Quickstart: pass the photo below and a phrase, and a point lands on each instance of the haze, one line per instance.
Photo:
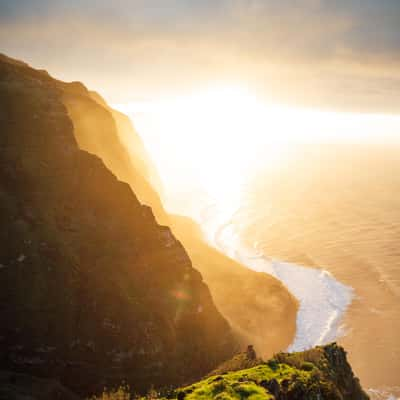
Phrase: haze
(331, 54)
(273, 125)
(224, 135)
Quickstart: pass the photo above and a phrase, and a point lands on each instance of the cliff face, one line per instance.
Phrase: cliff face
(92, 289)
(256, 305)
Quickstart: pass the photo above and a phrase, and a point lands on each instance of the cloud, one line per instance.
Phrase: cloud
(282, 48)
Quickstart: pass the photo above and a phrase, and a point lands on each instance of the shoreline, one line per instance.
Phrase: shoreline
(323, 300)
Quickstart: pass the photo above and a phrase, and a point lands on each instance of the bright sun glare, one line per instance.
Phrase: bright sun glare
(216, 138)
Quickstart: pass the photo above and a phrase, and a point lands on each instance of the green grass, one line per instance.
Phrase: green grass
(244, 384)
(313, 375)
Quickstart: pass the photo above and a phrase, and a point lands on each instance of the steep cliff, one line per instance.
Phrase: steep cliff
(92, 289)
(257, 305)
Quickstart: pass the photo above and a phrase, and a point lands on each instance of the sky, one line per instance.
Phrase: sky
(335, 54)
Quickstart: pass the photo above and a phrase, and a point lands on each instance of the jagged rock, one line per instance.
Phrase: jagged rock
(250, 352)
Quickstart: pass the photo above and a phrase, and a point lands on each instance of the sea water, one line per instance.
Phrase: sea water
(322, 299)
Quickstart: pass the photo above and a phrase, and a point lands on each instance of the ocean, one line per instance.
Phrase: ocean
(327, 224)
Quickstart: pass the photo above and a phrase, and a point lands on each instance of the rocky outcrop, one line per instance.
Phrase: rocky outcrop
(331, 374)
(245, 360)
(92, 289)
(316, 374)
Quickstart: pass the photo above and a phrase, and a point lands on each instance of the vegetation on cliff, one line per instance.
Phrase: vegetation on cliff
(321, 373)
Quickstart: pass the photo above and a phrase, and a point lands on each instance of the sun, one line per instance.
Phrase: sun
(209, 137)
(212, 141)
(213, 131)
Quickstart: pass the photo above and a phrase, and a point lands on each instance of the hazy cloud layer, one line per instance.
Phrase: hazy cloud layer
(337, 54)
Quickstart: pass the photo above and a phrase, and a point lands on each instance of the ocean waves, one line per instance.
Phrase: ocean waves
(322, 299)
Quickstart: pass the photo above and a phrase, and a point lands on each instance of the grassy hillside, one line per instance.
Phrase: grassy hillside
(320, 373)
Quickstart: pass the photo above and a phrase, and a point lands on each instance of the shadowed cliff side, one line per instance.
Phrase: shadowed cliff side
(257, 305)
(92, 290)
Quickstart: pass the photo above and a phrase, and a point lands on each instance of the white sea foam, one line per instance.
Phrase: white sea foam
(322, 299)
(387, 393)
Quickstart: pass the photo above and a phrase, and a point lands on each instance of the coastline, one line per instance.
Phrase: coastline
(323, 300)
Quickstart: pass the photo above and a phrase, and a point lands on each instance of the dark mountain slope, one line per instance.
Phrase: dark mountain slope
(257, 305)
(92, 289)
